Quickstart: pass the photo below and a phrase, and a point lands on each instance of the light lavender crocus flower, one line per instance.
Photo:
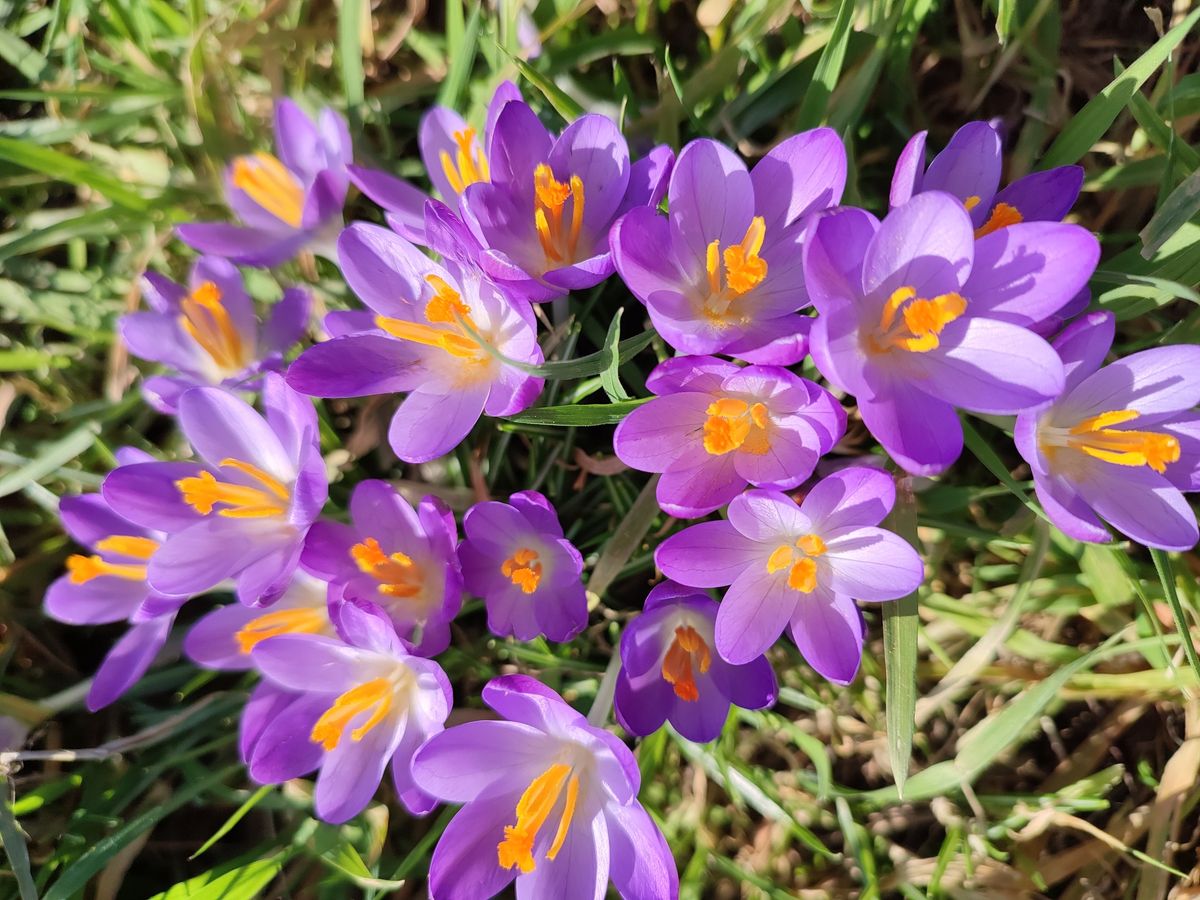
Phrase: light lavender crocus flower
(670, 673)
(722, 272)
(515, 557)
(548, 800)
(1121, 443)
(242, 510)
(208, 332)
(395, 557)
(799, 567)
(716, 426)
(286, 203)
(380, 705)
(418, 342)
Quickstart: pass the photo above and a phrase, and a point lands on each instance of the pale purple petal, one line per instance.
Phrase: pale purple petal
(656, 435)
(1162, 379)
(969, 166)
(828, 630)
(464, 864)
(471, 759)
(1141, 504)
(927, 244)
(753, 614)
(356, 365)
(800, 175)
(641, 865)
(920, 432)
(909, 171)
(1083, 345)
(1044, 196)
(428, 425)
(870, 564)
(854, 496)
(287, 322)
(146, 493)
(128, 661)
(710, 198)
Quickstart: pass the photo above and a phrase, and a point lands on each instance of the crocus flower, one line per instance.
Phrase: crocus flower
(1122, 441)
(669, 671)
(109, 585)
(918, 318)
(286, 203)
(515, 557)
(380, 705)
(454, 157)
(548, 800)
(398, 558)
(208, 331)
(722, 272)
(241, 510)
(799, 567)
(716, 426)
(970, 169)
(420, 344)
(546, 212)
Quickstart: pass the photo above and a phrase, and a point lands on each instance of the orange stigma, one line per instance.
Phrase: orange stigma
(1002, 216)
(523, 569)
(468, 165)
(735, 424)
(375, 695)
(1096, 437)
(802, 565)
(559, 241)
(82, 569)
(208, 322)
(397, 574)
(302, 620)
(744, 270)
(688, 649)
(268, 183)
(911, 323)
(533, 809)
(203, 492)
(446, 308)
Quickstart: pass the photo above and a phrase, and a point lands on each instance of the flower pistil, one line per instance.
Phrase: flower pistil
(533, 809)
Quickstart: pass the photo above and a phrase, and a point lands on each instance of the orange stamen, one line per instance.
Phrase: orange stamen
(82, 569)
(446, 307)
(1002, 216)
(303, 620)
(469, 164)
(686, 649)
(559, 243)
(744, 270)
(533, 809)
(523, 569)
(268, 183)
(735, 424)
(203, 492)
(398, 575)
(376, 694)
(128, 545)
(908, 322)
(207, 321)
(1095, 437)
(971, 202)
(803, 566)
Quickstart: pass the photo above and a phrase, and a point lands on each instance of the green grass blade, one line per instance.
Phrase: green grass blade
(578, 415)
(14, 846)
(610, 378)
(62, 167)
(350, 49)
(1177, 210)
(555, 96)
(1162, 563)
(51, 457)
(900, 627)
(829, 68)
(462, 45)
(239, 813)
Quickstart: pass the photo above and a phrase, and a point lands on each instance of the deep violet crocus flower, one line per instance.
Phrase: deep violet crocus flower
(548, 799)
(799, 567)
(286, 203)
(241, 510)
(670, 672)
(419, 343)
(393, 556)
(546, 212)
(722, 273)
(1121, 443)
(716, 426)
(208, 332)
(917, 318)
(515, 557)
(380, 705)
(109, 585)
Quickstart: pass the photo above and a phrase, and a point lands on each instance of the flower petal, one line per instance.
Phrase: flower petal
(469, 760)
(128, 661)
(828, 630)
(922, 433)
(710, 198)
(852, 497)
(927, 244)
(753, 613)
(799, 175)
(709, 554)
(428, 424)
(871, 564)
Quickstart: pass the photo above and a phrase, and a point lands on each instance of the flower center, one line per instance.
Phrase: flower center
(913, 323)
(82, 569)
(303, 620)
(446, 309)
(268, 183)
(397, 574)
(205, 318)
(376, 695)
(468, 165)
(801, 559)
(533, 809)
(203, 492)
(523, 569)
(1096, 437)
(559, 240)
(744, 270)
(736, 424)
(688, 649)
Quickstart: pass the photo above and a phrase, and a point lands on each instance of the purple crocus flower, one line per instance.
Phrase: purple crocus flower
(716, 426)
(722, 272)
(546, 213)
(548, 799)
(380, 704)
(398, 558)
(669, 671)
(800, 567)
(286, 203)
(917, 318)
(208, 331)
(109, 585)
(970, 169)
(454, 157)
(242, 510)
(515, 557)
(1121, 443)
(420, 344)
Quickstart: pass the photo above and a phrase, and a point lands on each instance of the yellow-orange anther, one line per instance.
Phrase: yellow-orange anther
(559, 241)
(736, 424)
(375, 695)
(744, 268)
(971, 202)
(908, 322)
(203, 492)
(802, 574)
(397, 574)
(205, 318)
(533, 809)
(303, 620)
(1002, 216)
(445, 308)
(687, 652)
(1097, 438)
(523, 569)
(82, 569)
(268, 183)
(468, 165)
(128, 545)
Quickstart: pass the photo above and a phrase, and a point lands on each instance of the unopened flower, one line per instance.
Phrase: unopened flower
(548, 800)
(722, 272)
(421, 344)
(716, 426)
(670, 670)
(400, 559)
(380, 704)
(515, 557)
(208, 332)
(242, 510)
(917, 318)
(287, 202)
(799, 567)
(1121, 443)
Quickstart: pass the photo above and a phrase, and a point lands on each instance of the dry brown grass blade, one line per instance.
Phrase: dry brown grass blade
(1178, 781)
